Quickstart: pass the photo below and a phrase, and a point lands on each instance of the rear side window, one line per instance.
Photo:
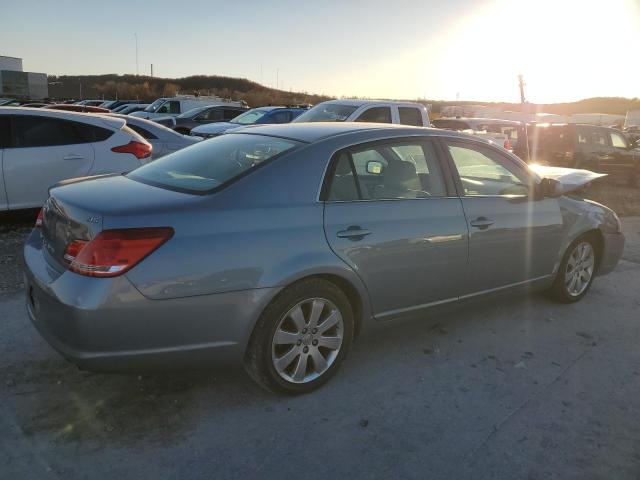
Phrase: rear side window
(550, 138)
(143, 132)
(208, 165)
(5, 131)
(44, 131)
(375, 115)
(411, 116)
(389, 171)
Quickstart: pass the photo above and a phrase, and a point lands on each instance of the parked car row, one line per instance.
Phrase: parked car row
(601, 149)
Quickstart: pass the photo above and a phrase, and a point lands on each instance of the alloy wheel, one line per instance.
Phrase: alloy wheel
(580, 267)
(307, 340)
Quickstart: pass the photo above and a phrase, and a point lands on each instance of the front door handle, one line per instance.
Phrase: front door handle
(73, 156)
(482, 223)
(354, 233)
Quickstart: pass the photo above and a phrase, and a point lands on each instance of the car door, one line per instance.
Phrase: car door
(5, 139)
(514, 236)
(623, 162)
(44, 151)
(391, 214)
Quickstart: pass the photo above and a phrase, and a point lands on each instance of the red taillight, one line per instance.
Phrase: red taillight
(39, 220)
(507, 144)
(73, 249)
(113, 252)
(140, 150)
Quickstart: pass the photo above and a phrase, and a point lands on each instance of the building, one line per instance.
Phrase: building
(21, 85)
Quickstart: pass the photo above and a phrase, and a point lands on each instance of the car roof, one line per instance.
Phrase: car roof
(483, 120)
(314, 131)
(91, 118)
(356, 102)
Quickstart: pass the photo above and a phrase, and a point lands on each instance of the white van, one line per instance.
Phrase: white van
(174, 106)
(376, 111)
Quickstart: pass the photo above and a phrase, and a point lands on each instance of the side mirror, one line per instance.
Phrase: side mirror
(550, 188)
(374, 167)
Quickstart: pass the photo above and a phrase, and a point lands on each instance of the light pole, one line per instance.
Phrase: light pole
(136, 37)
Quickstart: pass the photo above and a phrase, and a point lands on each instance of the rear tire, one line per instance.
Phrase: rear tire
(301, 338)
(576, 271)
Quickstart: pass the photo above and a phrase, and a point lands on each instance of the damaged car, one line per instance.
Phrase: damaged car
(277, 245)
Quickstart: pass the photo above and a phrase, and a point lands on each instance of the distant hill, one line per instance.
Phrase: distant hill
(149, 88)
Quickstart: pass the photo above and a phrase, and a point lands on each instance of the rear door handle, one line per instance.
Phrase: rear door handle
(73, 156)
(354, 233)
(482, 223)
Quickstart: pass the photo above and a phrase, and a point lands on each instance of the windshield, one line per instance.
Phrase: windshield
(330, 112)
(193, 112)
(207, 165)
(155, 105)
(250, 117)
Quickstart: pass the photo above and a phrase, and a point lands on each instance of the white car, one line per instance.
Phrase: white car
(174, 106)
(163, 139)
(39, 148)
(376, 111)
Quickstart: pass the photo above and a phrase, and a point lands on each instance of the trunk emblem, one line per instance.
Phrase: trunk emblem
(94, 219)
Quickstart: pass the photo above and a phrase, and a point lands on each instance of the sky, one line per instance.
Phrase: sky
(435, 49)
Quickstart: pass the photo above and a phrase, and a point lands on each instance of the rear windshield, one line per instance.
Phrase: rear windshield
(330, 112)
(209, 164)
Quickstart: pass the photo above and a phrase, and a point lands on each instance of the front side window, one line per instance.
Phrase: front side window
(382, 172)
(410, 116)
(213, 115)
(485, 173)
(375, 115)
(328, 112)
(229, 114)
(280, 117)
(618, 140)
(207, 165)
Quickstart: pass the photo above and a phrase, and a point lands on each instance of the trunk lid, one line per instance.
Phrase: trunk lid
(81, 208)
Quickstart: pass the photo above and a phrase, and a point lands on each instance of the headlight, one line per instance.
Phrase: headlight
(612, 222)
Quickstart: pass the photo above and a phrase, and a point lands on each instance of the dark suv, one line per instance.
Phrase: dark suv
(600, 149)
(199, 116)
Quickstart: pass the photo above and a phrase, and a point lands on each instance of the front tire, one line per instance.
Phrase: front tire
(576, 271)
(301, 338)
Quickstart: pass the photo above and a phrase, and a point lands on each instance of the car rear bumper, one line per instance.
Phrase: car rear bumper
(106, 324)
(611, 252)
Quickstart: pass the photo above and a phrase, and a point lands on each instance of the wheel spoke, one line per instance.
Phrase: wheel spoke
(578, 287)
(298, 318)
(301, 368)
(316, 311)
(284, 361)
(330, 342)
(572, 283)
(319, 362)
(329, 322)
(285, 338)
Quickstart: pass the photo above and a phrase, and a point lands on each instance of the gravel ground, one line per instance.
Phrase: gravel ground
(13, 231)
(515, 388)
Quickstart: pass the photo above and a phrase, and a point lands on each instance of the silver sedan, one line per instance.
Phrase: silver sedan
(163, 139)
(276, 245)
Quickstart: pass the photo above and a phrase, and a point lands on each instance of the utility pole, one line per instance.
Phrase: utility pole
(152, 70)
(136, 36)
(521, 84)
(277, 77)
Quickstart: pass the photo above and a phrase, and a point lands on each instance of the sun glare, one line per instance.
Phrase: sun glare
(561, 46)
